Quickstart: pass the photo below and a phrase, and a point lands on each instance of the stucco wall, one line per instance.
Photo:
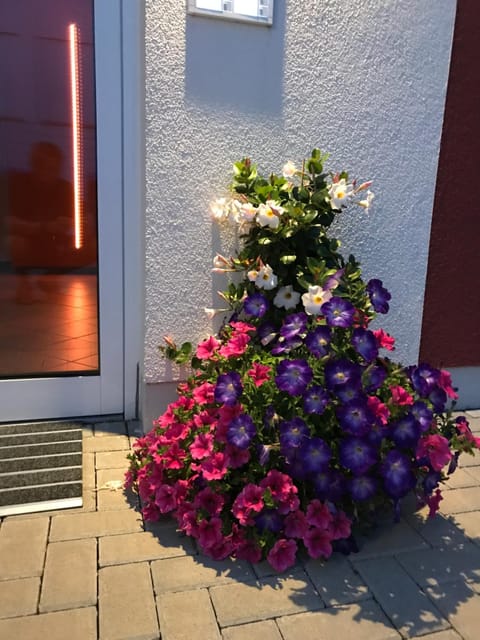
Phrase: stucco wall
(364, 80)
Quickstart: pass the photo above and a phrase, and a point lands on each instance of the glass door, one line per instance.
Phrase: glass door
(61, 306)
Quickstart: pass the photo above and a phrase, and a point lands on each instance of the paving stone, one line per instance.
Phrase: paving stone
(111, 459)
(460, 500)
(389, 538)
(469, 525)
(462, 478)
(107, 443)
(448, 634)
(468, 460)
(266, 630)
(22, 547)
(365, 621)
(105, 429)
(74, 624)
(267, 598)
(87, 430)
(264, 569)
(436, 566)
(199, 621)
(336, 581)
(70, 577)
(474, 472)
(405, 604)
(88, 471)
(111, 499)
(140, 547)
(126, 605)
(460, 605)
(19, 597)
(99, 523)
(440, 531)
(189, 572)
(134, 429)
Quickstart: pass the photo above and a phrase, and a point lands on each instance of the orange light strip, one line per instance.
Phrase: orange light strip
(76, 133)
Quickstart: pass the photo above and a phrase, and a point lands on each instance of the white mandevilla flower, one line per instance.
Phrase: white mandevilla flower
(266, 279)
(235, 211)
(222, 264)
(313, 300)
(340, 192)
(289, 170)
(269, 214)
(286, 297)
(252, 275)
(220, 209)
(211, 313)
(366, 203)
(248, 211)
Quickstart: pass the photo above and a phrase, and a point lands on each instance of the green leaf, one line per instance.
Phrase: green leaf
(288, 259)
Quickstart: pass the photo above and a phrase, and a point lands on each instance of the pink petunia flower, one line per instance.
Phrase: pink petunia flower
(165, 498)
(210, 501)
(433, 502)
(221, 550)
(242, 327)
(400, 396)
(280, 484)
(445, 383)
(236, 346)
(384, 339)
(436, 448)
(378, 408)
(259, 373)
(319, 515)
(296, 524)
(210, 532)
(204, 393)
(318, 543)
(282, 555)
(207, 348)
(202, 446)
(174, 456)
(341, 526)
(463, 428)
(235, 457)
(213, 467)
(248, 550)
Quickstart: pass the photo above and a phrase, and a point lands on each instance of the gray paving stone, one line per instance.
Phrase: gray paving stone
(336, 581)
(88, 471)
(439, 531)
(189, 572)
(389, 538)
(474, 472)
(106, 444)
(469, 525)
(99, 523)
(365, 621)
(264, 569)
(74, 624)
(405, 604)
(448, 634)
(111, 459)
(462, 478)
(267, 598)
(18, 597)
(70, 577)
(436, 566)
(460, 500)
(460, 605)
(198, 621)
(266, 630)
(22, 547)
(140, 547)
(126, 604)
(469, 460)
(105, 429)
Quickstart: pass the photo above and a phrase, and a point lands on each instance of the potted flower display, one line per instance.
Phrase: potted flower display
(294, 423)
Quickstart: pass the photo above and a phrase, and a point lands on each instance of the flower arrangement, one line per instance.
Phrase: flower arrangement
(294, 424)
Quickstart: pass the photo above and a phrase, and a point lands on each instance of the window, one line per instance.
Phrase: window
(254, 11)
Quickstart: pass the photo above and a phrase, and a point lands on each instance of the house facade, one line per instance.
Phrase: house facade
(166, 101)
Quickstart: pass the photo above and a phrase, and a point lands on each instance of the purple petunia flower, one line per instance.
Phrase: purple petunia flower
(374, 377)
(315, 454)
(355, 417)
(293, 433)
(365, 343)
(269, 520)
(406, 431)
(438, 398)
(338, 312)
(348, 392)
(267, 332)
(431, 481)
(328, 485)
(422, 414)
(228, 388)
(397, 474)
(241, 431)
(293, 376)
(285, 346)
(379, 296)
(341, 372)
(315, 400)
(424, 379)
(357, 455)
(318, 340)
(362, 488)
(255, 305)
(293, 325)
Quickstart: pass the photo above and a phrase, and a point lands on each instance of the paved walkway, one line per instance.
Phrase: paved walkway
(102, 573)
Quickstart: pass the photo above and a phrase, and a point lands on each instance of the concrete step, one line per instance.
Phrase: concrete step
(40, 477)
(10, 465)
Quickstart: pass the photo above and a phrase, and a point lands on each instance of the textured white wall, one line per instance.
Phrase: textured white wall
(364, 80)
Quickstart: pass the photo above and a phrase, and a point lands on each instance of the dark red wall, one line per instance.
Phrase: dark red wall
(451, 318)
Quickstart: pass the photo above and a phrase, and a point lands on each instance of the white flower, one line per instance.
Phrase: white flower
(248, 211)
(220, 209)
(211, 313)
(222, 264)
(266, 279)
(286, 297)
(234, 210)
(289, 170)
(339, 193)
(313, 300)
(368, 200)
(269, 214)
(252, 275)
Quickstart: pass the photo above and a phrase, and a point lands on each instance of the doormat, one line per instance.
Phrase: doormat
(40, 467)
